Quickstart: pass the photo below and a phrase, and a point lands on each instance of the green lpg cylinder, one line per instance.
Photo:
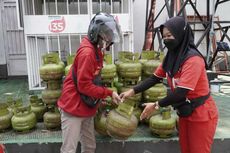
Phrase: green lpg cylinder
(70, 60)
(148, 55)
(54, 84)
(51, 71)
(23, 119)
(149, 67)
(50, 97)
(67, 69)
(133, 100)
(5, 117)
(137, 112)
(102, 113)
(155, 112)
(52, 68)
(100, 122)
(17, 103)
(125, 56)
(155, 93)
(121, 123)
(163, 125)
(38, 107)
(129, 71)
(108, 73)
(108, 103)
(52, 118)
(9, 99)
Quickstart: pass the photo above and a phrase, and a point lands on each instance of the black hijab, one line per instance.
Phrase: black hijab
(186, 48)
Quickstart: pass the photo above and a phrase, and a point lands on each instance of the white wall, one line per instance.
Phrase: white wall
(139, 11)
(139, 17)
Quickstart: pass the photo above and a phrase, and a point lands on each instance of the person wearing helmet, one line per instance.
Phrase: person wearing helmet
(103, 30)
(82, 91)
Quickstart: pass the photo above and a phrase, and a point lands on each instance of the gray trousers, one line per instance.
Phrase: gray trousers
(75, 129)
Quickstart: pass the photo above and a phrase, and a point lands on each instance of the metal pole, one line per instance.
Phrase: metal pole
(27, 52)
(211, 33)
(56, 8)
(44, 2)
(67, 7)
(131, 17)
(208, 20)
(37, 59)
(78, 7)
(100, 6)
(122, 6)
(33, 7)
(146, 17)
(111, 9)
(69, 37)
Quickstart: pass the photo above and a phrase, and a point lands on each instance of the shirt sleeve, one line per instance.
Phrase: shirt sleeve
(159, 72)
(146, 84)
(191, 72)
(85, 73)
(174, 97)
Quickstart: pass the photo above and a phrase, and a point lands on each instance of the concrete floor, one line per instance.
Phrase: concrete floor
(41, 140)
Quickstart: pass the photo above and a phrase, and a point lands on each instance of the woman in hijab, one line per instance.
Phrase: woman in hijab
(185, 70)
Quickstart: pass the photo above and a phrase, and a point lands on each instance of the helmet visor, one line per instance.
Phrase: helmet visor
(110, 32)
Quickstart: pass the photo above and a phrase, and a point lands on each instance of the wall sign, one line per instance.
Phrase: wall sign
(57, 24)
(66, 24)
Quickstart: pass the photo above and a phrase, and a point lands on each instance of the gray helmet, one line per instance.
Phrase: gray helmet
(103, 25)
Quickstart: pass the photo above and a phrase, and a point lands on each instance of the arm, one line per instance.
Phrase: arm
(146, 84)
(157, 77)
(174, 97)
(178, 95)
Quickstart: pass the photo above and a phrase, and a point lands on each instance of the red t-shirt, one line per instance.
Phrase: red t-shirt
(86, 68)
(192, 76)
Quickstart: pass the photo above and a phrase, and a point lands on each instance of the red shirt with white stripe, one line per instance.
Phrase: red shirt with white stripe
(192, 75)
